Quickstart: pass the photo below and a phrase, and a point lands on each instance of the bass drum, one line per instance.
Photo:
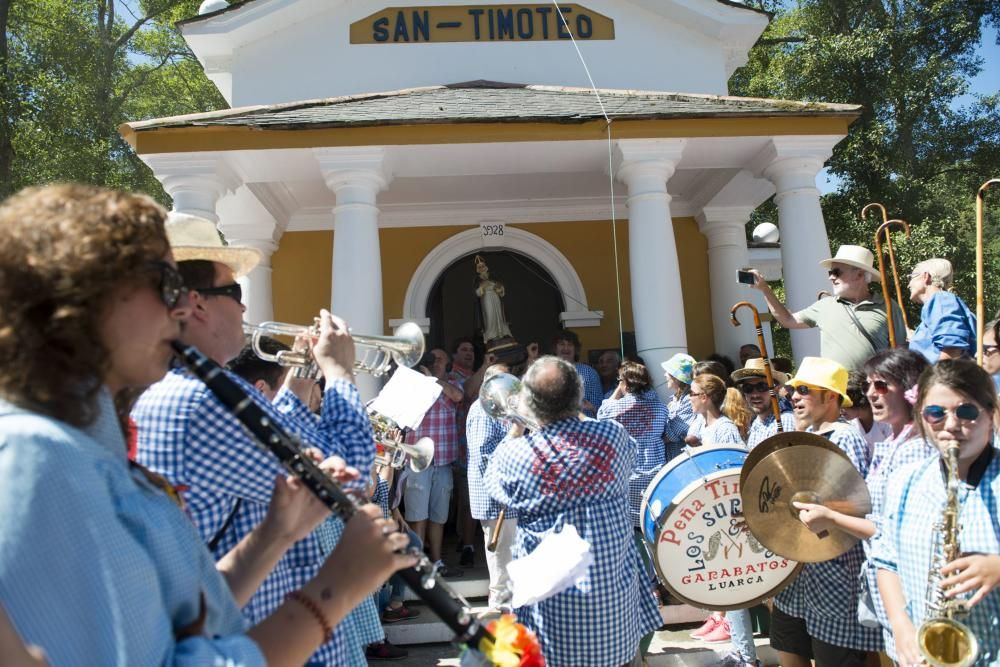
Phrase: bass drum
(688, 523)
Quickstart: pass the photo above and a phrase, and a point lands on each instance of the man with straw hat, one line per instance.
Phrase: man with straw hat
(195, 442)
(752, 383)
(853, 325)
(816, 618)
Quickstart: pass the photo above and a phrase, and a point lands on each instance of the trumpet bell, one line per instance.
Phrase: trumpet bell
(421, 454)
(499, 398)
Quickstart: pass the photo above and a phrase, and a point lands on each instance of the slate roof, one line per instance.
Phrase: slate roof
(486, 101)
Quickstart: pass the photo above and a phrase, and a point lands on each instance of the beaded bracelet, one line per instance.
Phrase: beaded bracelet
(314, 609)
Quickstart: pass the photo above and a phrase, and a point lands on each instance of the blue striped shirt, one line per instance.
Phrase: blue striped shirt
(483, 433)
(192, 439)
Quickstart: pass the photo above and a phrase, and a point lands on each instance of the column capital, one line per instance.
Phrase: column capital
(724, 225)
(786, 154)
(647, 157)
(195, 181)
(361, 166)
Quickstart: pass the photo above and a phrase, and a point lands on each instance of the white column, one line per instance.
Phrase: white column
(792, 168)
(725, 229)
(645, 166)
(257, 294)
(194, 182)
(356, 176)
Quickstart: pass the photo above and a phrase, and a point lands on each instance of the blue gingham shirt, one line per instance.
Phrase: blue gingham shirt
(890, 455)
(825, 595)
(680, 414)
(764, 426)
(576, 472)
(722, 432)
(592, 390)
(483, 433)
(644, 416)
(189, 437)
(914, 503)
(98, 566)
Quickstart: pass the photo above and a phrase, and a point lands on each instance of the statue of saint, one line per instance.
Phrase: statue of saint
(490, 293)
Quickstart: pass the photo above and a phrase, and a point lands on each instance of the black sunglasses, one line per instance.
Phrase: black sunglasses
(755, 388)
(170, 285)
(801, 390)
(233, 291)
(834, 272)
(881, 386)
(935, 414)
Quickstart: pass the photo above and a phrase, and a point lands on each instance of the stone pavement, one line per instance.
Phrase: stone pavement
(670, 648)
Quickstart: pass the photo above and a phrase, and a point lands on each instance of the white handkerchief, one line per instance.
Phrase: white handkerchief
(559, 562)
(407, 397)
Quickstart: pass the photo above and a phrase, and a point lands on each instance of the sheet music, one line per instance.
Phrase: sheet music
(407, 397)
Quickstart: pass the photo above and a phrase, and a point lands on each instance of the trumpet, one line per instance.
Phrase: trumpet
(405, 346)
(390, 450)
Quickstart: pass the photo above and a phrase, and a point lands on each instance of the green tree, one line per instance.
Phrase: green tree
(915, 148)
(72, 72)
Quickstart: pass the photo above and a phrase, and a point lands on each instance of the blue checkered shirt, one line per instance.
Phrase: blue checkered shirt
(825, 595)
(189, 437)
(764, 426)
(592, 390)
(483, 433)
(914, 502)
(680, 415)
(889, 456)
(722, 432)
(576, 472)
(644, 417)
(97, 565)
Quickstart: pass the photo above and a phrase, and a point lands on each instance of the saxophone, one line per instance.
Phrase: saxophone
(944, 641)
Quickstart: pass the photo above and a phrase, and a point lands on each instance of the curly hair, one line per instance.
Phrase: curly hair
(636, 377)
(63, 250)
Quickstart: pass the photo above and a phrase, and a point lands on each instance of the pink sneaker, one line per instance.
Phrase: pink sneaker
(718, 635)
(710, 624)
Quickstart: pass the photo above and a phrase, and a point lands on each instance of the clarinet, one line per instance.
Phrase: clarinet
(421, 578)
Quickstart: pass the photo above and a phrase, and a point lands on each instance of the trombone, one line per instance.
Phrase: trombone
(405, 346)
(885, 228)
(980, 314)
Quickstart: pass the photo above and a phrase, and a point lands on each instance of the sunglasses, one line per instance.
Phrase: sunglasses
(170, 285)
(935, 414)
(881, 387)
(697, 393)
(755, 388)
(801, 390)
(989, 350)
(834, 272)
(233, 291)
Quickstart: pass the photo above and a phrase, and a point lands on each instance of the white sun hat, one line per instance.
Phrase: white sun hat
(192, 237)
(856, 256)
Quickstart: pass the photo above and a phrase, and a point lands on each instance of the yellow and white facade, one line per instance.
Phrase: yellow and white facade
(361, 200)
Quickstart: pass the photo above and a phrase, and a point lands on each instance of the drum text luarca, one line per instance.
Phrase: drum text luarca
(481, 23)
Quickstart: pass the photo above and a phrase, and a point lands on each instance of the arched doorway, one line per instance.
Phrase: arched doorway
(532, 301)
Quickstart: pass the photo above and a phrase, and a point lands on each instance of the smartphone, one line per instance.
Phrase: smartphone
(746, 277)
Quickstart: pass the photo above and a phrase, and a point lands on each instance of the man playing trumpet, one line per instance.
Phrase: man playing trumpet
(192, 439)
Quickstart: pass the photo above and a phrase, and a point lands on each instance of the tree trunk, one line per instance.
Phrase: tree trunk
(7, 107)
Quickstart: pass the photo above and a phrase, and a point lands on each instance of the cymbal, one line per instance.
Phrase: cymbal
(803, 473)
(780, 441)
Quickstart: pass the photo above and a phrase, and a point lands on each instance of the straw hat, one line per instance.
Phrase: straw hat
(680, 367)
(825, 373)
(856, 256)
(192, 237)
(755, 369)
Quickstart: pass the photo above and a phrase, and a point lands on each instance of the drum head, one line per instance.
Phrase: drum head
(704, 560)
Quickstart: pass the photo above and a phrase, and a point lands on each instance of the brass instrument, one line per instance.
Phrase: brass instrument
(885, 229)
(390, 450)
(762, 346)
(499, 395)
(944, 641)
(405, 346)
(980, 314)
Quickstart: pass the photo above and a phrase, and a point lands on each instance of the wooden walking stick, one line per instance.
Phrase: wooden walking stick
(762, 345)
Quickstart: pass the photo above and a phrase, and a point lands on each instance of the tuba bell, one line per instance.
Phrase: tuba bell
(405, 346)
(390, 450)
(499, 398)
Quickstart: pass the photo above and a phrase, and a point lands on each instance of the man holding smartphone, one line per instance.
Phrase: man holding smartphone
(853, 325)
